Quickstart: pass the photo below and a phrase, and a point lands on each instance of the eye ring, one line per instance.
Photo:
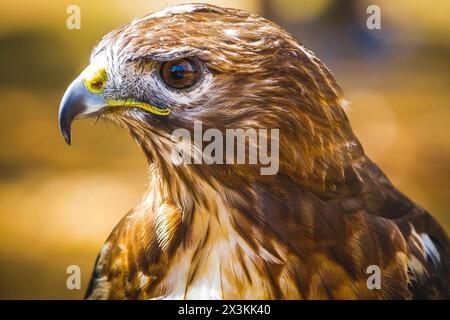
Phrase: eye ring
(181, 73)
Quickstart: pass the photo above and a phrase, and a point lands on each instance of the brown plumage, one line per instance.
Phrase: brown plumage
(226, 231)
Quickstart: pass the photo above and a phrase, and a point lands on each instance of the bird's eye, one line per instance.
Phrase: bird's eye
(180, 74)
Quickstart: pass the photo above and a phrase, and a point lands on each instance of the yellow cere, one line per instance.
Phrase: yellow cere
(97, 83)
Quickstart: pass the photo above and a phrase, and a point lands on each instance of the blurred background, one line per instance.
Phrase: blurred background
(58, 204)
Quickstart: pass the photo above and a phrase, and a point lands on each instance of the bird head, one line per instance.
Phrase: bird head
(224, 68)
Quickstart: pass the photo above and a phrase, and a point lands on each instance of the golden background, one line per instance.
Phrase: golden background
(58, 204)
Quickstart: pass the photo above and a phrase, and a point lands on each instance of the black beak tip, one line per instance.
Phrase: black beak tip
(65, 128)
(67, 137)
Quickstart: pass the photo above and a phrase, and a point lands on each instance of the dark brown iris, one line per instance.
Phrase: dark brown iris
(180, 74)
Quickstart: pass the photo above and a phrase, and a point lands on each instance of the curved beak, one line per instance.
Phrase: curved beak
(84, 96)
(76, 102)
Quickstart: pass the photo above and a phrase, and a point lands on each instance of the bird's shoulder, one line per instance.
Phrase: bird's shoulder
(128, 259)
(393, 215)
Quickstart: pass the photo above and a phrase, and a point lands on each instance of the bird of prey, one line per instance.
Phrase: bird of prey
(314, 230)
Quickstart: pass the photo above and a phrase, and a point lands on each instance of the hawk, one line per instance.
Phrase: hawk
(313, 230)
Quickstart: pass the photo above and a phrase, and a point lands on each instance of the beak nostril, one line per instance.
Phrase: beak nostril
(97, 86)
(97, 83)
